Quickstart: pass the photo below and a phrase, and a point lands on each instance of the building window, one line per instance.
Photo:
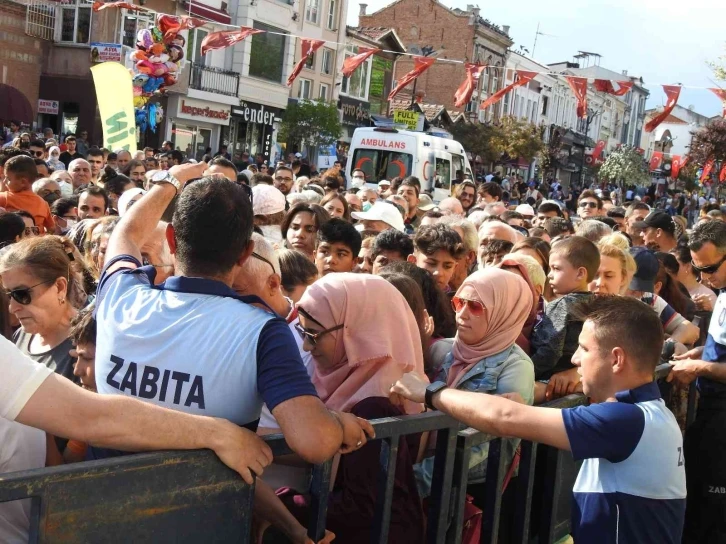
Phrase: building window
(133, 22)
(267, 53)
(333, 14)
(75, 22)
(194, 46)
(310, 62)
(327, 67)
(323, 92)
(357, 84)
(545, 103)
(305, 89)
(312, 11)
(535, 107)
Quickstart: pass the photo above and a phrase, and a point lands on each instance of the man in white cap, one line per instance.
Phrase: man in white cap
(381, 216)
(384, 188)
(268, 205)
(526, 210)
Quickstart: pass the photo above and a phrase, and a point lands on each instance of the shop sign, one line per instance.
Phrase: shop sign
(413, 120)
(106, 52)
(256, 113)
(200, 110)
(355, 112)
(48, 106)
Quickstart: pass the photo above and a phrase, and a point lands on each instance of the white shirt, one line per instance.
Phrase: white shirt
(21, 447)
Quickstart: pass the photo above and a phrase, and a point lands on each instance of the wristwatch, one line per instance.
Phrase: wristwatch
(431, 390)
(163, 176)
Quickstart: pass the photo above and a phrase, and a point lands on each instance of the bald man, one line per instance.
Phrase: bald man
(122, 159)
(80, 171)
(495, 230)
(451, 206)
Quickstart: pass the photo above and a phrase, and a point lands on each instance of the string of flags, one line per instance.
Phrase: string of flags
(173, 24)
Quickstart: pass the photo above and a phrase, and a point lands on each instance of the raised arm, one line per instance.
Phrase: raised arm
(63, 409)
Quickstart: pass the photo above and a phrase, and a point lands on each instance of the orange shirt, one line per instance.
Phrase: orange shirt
(31, 203)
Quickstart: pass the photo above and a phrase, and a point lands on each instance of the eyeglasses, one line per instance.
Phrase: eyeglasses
(588, 204)
(38, 154)
(708, 269)
(313, 337)
(475, 307)
(261, 258)
(283, 180)
(32, 230)
(22, 294)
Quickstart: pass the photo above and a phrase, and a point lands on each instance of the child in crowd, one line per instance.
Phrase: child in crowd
(338, 247)
(21, 172)
(492, 254)
(390, 246)
(437, 248)
(573, 262)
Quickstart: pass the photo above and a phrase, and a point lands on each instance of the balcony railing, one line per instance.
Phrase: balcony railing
(213, 80)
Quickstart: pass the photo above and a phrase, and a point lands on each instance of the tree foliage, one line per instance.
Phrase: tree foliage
(314, 123)
(709, 142)
(625, 166)
(719, 67)
(494, 143)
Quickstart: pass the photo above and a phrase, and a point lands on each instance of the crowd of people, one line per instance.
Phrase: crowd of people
(309, 305)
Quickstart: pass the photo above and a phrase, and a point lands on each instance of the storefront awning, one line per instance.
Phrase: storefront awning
(14, 106)
(202, 10)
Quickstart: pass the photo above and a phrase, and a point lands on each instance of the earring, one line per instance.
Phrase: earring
(61, 301)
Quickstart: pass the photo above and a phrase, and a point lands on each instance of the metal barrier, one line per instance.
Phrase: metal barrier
(193, 497)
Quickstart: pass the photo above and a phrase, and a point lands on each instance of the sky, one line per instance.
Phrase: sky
(664, 41)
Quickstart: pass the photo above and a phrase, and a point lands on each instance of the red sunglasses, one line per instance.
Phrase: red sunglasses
(475, 307)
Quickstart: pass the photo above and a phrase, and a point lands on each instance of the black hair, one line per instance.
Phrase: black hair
(392, 240)
(436, 301)
(23, 166)
(295, 269)
(331, 181)
(37, 143)
(709, 231)
(490, 188)
(23, 213)
(95, 152)
(320, 215)
(11, 226)
(432, 238)
(133, 163)
(177, 155)
(224, 163)
(259, 178)
(9, 152)
(411, 181)
(113, 182)
(111, 157)
(511, 214)
(212, 226)
(83, 327)
(555, 226)
(548, 207)
(98, 191)
(616, 212)
(340, 231)
(63, 205)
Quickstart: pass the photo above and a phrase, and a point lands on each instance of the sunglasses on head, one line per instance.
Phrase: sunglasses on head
(708, 269)
(21, 295)
(311, 336)
(588, 204)
(475, 307)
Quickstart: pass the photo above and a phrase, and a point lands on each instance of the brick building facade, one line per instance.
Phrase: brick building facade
(427, 26)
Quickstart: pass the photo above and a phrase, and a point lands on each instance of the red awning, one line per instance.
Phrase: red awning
(202, 10)
(14, 106)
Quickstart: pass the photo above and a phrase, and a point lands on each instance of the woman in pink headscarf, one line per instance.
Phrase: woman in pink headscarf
(363, 337)
(491, 307)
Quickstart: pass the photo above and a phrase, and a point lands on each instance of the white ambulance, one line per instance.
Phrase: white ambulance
(386, 153)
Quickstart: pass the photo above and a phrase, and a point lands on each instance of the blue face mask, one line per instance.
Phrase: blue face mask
(367, 206)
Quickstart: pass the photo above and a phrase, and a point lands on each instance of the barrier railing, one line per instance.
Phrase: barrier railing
(193, 497)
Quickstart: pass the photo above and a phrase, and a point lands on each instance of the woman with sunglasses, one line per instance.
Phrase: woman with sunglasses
(42, 278)
(358, 352)
(491, 306)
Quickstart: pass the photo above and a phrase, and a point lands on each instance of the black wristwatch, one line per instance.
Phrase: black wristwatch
(431, 390)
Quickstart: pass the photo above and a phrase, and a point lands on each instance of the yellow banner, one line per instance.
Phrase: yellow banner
(116, 103)
(409, 118)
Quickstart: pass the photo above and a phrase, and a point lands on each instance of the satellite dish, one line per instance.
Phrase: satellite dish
(414, 49)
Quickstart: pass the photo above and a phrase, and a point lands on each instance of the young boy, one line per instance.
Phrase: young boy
(388, 247)
(338, 247)
(437, 248)
(573, 264)
(21, 172)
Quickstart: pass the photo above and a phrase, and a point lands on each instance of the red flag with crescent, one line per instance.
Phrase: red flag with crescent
(351, 63)
(672, 93)
(98, 6)
(579, 88)
(308, 46)
(466, 89)
(721, 93)
(606, 86)
(707, 170)
(524, 77)
(676, 164)
(722, 175)
(171, 25)
(598, 150)
(656, 160)
(420, 65)
(226, 38)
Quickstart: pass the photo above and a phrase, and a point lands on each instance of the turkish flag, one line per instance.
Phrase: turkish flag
(171, 25)
(656, 160)
(420, 65)
(606, 86)
(676, 164)
(351, 63)
(707, 170)
(225, 38)
(308, 46)
(722, 175)
(98, 6)
(466, 89)
(523, 76)
(598, 150)
(721, 93)
(579, 87)
(672, 92)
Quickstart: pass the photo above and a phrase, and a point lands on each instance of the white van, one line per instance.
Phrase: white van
(386, 153)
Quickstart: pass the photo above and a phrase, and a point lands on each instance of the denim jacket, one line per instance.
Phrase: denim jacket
(510, 371)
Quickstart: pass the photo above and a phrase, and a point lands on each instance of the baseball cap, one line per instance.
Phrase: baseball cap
(425, 203)
(382, 211)
(657, 219)
(298, 155)
(648, 265)
(384, 183)
(525, 209)
(267, 200)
